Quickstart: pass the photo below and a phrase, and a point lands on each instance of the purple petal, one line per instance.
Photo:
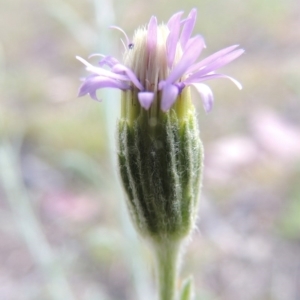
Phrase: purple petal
(213, 76)
(108, 60)
(105, 59)
(172, 40)
(190, 41)
(146, 99)
(188, 57)
(101, 71)
(93, 95)
(188, 27)
(218, 63)
(152, 34)
(161, 85)
(169, 95)
(211, 58)
(174, 20)
(206, 94)
(131, 76)
(93, 83)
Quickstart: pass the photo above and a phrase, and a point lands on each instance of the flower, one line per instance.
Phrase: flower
(166, 64)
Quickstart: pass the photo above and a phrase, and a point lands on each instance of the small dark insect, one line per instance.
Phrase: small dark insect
(131, 46)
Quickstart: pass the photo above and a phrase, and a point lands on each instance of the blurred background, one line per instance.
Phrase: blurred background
(64, 229)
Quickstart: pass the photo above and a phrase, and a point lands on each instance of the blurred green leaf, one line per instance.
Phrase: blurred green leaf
(187, 289)
(290, 223)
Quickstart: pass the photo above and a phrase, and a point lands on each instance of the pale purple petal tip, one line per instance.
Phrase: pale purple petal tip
(213, 76)
(161, 85)
(217, 63)
(169, 95)
(152, 34)
(226, 59)
(172, 40)
(210, 59)
(91, 84)
(174, 19)
(100, 71)
(188, 58)
(107, 60)
(93, 95)
(188, 27)
(206, 95)
(146, 99)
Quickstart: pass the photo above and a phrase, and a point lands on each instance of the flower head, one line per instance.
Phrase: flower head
(160, 154)
(159, 63)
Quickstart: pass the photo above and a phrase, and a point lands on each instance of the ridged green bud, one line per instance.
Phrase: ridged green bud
(160, 152)
(160, 161)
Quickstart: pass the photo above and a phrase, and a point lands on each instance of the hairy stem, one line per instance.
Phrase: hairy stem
(167, 254)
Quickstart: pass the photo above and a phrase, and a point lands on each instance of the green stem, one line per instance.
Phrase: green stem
(167, 255)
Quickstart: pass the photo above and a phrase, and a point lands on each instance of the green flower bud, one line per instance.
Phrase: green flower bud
(160, 152)
(160, 161)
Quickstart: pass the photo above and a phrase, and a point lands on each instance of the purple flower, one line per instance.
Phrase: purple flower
(159, 63)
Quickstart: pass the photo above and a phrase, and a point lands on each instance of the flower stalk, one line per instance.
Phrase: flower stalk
(167, 268)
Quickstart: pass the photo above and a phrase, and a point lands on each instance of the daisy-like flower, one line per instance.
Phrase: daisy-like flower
(160, 154)
(161, 60)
